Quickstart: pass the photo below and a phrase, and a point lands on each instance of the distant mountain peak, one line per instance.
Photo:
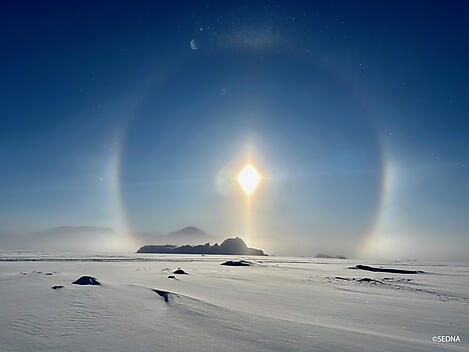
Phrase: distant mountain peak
(186, 235)
(189, 230)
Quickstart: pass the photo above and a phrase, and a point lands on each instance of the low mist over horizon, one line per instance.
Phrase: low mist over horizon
(303, 127)
(95, 239)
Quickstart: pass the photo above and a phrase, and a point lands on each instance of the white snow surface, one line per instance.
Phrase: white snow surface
(277, 304)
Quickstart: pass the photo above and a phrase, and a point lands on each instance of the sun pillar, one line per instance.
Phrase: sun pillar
(248, 179)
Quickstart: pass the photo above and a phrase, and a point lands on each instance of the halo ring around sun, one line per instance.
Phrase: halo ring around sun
(362, 98)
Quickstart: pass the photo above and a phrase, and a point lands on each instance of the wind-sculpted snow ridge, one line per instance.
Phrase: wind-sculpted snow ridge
(285, 304)
(284, 334)
(400, 284)
(164, 294)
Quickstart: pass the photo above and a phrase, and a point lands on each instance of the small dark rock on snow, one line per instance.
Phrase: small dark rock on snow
(86, 280)
(179, 271)
(57, 287)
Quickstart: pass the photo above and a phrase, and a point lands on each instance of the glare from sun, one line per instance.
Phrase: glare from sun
(249, 179)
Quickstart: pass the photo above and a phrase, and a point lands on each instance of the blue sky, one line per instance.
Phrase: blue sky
(354, 113)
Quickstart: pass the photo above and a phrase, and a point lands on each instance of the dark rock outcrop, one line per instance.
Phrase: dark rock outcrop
(86, 280)
(231, 246)
(57, 287)
(237, 263)
(180, 272)
(385, 270)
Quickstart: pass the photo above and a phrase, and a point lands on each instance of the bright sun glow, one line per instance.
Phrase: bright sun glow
(249, 178)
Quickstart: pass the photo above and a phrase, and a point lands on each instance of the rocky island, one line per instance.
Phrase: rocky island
(231, 246)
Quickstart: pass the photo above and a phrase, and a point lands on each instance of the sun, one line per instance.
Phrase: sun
(249, 178)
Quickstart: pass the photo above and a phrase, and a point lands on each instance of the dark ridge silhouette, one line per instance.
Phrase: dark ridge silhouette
(237, 263)
(328, 256)
(180, 271)
(57, 287)
(48, 274)
(86, 280)
(171, 277)
(164, 294)
(231, 246)
(385, 270)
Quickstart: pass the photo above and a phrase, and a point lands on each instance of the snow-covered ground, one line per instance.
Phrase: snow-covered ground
(277, 304)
